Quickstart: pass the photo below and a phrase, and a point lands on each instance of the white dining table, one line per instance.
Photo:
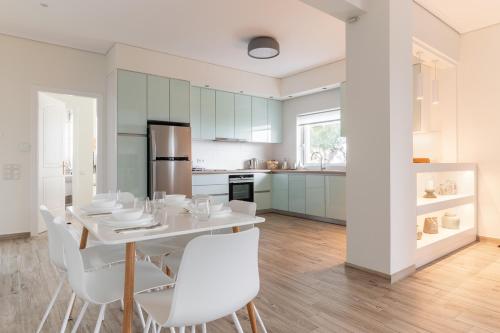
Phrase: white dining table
(177, 222)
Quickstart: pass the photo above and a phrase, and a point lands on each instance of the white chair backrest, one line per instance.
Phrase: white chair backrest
(244, 207)
(73, 260)
(218, 275)
(55, 245)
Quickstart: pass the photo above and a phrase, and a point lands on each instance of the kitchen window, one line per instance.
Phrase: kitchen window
(320, 132)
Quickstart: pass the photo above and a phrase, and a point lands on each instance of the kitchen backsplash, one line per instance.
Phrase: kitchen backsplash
(228, 155)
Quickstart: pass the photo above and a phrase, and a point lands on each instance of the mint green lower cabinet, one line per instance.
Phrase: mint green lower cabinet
(195, 119)
(224, 114)
(279, 197)
(335, 197)
(132, 164)
(179, 101)
(263, 200)
(297, 193)
(158, 98)
(207, 111)
(315, 195)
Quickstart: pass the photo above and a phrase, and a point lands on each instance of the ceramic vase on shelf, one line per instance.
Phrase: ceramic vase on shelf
(419, 232)
(430, 190)
(449, 187)
(431, 225)
(450, 221)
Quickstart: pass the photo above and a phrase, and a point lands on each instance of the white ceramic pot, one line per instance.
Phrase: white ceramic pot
(450, 221)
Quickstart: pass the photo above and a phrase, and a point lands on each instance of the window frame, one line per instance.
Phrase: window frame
(301, 144)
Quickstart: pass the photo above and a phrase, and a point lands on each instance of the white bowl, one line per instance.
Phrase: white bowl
(127, 214)
(216, 207)
(103, 203)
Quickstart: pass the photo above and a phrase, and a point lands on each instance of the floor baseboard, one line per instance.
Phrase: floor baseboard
(392, 278)
(15, 236)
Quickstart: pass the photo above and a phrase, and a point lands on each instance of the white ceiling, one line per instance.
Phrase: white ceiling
(215, 31)
(465, 15)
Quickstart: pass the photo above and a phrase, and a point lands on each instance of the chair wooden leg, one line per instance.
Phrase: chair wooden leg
(251, 317)
(80, 317)
(259, 319)
(128, 292)
(237, 323)
(68, 311)
(51, 304)
(99, 319)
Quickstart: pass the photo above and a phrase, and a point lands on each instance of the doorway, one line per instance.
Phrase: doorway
(67, 151)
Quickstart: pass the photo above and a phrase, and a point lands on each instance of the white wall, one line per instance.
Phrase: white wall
(26, 65)
(199, 73)
(228, 155)
(291, 109)
(479, 120)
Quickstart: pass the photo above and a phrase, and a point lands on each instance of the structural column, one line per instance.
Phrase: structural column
(380, 183)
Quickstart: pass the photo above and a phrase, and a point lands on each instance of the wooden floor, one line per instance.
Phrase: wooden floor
(304, 288)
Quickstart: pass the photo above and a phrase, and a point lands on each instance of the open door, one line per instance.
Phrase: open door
(51, 186)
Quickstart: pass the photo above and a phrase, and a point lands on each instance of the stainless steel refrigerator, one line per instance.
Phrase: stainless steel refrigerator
(169, 159)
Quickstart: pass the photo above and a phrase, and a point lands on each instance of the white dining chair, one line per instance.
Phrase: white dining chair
(172, 259)
(218, 275)
(93, 258)
(106, 284)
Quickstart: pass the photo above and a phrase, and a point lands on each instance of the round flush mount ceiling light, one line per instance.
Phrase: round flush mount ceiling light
(263, 47)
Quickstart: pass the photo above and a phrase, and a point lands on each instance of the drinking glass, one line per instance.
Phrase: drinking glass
(202, 209)
(147, 206)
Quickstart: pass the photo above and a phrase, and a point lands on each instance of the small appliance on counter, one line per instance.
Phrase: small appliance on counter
(253, 163)
(272, 164)
(169, 158)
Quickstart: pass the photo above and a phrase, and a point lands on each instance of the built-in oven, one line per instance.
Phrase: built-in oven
(241, 187)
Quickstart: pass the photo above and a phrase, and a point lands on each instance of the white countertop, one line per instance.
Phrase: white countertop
(337, 171)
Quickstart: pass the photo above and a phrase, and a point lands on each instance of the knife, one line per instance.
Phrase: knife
(138, 228)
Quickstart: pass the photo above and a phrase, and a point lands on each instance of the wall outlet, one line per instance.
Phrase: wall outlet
(11, 171)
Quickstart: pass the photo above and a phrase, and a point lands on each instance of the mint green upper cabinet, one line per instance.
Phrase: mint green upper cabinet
(297, 193)
(275, 120)
(195, 113)
(158, 98)
(243, 117)
(224, 114)
(179, 101)
(279, 196)
(335, 197)
(315, 195)
(260, 130)
(132, 102)
(132, 164)
(207, 111)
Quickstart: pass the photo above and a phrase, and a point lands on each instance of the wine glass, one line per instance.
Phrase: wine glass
(202, 208)
(159, 198)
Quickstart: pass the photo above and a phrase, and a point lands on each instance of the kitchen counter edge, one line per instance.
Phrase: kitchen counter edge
(315, 172)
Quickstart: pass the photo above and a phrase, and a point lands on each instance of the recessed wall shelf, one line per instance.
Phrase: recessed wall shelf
(463, 204)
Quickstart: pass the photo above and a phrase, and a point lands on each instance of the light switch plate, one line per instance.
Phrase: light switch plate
(11, 171)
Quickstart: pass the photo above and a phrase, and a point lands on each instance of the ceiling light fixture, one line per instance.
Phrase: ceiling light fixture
(263, 47)
(435, 85)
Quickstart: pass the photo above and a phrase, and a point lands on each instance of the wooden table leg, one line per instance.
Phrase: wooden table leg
(83, 239)
(250, 308)
(128, 292)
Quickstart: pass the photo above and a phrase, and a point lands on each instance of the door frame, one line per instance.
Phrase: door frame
(35, 119)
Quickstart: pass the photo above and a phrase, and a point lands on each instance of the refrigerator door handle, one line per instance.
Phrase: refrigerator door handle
(153, 145)
(153, 185)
